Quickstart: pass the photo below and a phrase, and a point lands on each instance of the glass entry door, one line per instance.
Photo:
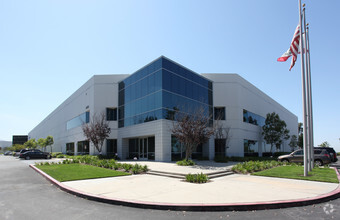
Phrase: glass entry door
(143, 148)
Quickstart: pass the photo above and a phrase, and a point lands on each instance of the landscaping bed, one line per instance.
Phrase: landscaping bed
(77, 171)
(88, 167)
(296, 172)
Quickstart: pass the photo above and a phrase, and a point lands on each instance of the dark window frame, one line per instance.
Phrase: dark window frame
(111, 114)
(219, 113)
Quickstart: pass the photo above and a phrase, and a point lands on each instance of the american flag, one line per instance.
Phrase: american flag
(293, 49)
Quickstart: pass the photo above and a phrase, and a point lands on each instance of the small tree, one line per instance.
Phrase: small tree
(293, 142)
(97, 130)
(31, 143)
(49, 141)
(16, 147)
(274, 130)
(222, 133)
(192, 130)
(325, 144)
(42, 143)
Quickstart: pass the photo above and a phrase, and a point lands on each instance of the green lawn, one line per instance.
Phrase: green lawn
(296, 172)
(68, 172)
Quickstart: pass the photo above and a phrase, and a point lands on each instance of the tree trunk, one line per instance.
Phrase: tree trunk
(187, 152)
(271, 148)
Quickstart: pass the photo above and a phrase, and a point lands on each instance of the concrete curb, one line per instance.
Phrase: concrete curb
(198, 207)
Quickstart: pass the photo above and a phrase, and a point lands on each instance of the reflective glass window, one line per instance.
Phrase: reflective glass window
(166, 80)
(158, 80)
(145, 86)
(111, 114)
(251, 148)
(219, 113)
(151, 83)
(111, 146)
(70, 149)
(78, 121)
(253, 118)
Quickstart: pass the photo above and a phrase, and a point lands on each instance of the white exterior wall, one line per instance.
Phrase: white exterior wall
(95, 95)
(101, 91)
(160, 129)
(235, 94)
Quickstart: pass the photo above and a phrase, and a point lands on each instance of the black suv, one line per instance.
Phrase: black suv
(35, 154)
(331, 152)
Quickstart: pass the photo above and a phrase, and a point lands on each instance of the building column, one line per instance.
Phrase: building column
(122, 148)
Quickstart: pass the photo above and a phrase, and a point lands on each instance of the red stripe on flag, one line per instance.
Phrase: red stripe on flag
(293, 49)
(283, 59)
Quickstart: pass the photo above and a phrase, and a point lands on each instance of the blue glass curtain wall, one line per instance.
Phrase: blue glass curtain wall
(160, 87)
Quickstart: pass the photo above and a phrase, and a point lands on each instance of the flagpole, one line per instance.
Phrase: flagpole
(311, 128)
(303, 79)
(309, 146)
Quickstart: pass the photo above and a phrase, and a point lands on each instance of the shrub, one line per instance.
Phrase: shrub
(55, 154)
(196, 178)
(185, 163)
(244, 159)
(254, 166)
(60, 156)
(116, 166)
(67, 161)
(107, 157)
(76, 160)
(127, 167)
(145, 168)
(136, 169)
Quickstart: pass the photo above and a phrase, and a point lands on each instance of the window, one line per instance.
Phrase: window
(251, 148)
(83, 147)
(219, 113)
(220, 147)
(298, 153)
(253, 118)
(133, 148)
(178, 150)
(78, 121)
(70, 149)
(111, 146)
(111, 114)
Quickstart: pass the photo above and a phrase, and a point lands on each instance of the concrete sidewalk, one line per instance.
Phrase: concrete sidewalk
(229, 191)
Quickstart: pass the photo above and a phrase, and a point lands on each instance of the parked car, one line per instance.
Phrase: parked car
(25, 150)
(36, 154)
(321, 157)
(331, 152)
(7, 153)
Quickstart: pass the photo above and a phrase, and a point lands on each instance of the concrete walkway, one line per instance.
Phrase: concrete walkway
(234, 190)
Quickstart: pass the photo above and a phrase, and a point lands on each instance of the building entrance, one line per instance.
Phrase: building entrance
(142, 148)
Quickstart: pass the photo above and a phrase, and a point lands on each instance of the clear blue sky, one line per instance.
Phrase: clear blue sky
(48, 49)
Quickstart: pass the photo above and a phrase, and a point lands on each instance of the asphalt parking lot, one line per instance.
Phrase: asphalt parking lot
(24, 194)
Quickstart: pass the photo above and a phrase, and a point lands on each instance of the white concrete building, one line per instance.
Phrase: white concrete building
(138, 106)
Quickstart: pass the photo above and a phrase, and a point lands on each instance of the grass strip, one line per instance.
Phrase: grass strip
(69, 172)
(296, 172)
